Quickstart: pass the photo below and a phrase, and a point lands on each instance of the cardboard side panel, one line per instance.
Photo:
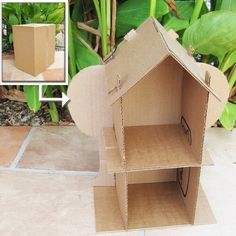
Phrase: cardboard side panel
(107, 211)
(194, 105)
(119, 126)
(24, 48)
(153, 176)
(122, 194)
(51, 44)
(40, 49)
(189, 186)
(130, 54)
(156, 99)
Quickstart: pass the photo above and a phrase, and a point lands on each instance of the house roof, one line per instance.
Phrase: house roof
(148, 46)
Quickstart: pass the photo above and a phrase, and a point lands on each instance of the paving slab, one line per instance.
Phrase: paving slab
(11, 139)
(47, 205)
(61, 148)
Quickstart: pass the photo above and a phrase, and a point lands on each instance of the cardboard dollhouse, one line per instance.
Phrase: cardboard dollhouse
(148, 104)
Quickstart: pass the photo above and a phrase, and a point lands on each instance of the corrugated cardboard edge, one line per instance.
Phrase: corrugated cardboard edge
(219, 83)
(122, 194)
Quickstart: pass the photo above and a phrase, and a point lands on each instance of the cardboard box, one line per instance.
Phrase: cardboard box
(158, 97)
(34, 47)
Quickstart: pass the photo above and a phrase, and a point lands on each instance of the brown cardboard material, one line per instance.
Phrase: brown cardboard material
(158, 99)
(89, 107)
(34, 47)
(219, 83)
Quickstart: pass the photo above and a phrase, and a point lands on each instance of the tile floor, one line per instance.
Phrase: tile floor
(43, 194)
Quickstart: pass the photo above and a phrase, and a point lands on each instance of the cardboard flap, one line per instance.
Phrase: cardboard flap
(88, 106)
(133, 59)
(219, 83)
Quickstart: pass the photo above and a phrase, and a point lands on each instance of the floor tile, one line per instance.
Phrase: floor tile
(61, 148)
(11, 139)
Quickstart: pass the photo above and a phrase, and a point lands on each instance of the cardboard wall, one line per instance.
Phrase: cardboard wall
(156, 99)
(119, 126)
(190, 200)
(152, 176)
(122, 194)
(194, 106)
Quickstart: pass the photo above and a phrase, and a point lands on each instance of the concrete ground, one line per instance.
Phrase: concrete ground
(46, 176)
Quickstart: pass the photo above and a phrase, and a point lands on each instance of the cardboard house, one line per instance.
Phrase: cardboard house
(150, 110)
(34, 47)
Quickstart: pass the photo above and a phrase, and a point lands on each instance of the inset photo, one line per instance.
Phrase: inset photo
(33, 42)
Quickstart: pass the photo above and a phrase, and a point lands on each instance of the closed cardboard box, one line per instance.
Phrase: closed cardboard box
(34, 47)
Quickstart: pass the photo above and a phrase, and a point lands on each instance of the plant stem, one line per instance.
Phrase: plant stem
(232, 78)
(71, 49)
(153, 4)
(196, 10)
(113, 25)
(104, 28)
(53, 108)
(108, 16)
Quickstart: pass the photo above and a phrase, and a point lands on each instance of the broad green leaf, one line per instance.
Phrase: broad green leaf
(226, 5)
(31, 93)
(228, 117)
(11, 37)
(13, 20)
(232, 78)
(84, 54)
(132, 13)
(185, 10)
(52, 105)
(228, 61)
(176, 24)
(214, 33)
(56, 17)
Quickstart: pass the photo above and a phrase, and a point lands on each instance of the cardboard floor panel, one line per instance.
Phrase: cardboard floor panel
(156, 205)
(157, 146)
(107, 210)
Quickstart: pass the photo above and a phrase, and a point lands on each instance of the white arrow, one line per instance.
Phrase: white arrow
(64, 99)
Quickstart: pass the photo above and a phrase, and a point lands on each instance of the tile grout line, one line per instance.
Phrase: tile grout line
(46, 171)
(22, 148)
